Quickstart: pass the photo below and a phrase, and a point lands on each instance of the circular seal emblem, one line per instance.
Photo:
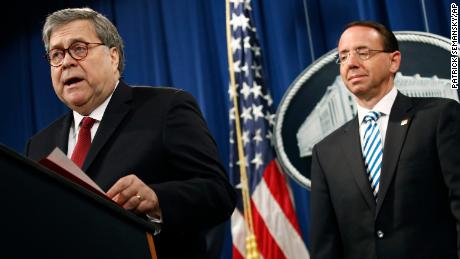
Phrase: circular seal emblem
(317, 102)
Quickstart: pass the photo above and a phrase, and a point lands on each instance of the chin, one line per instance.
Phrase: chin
(357, 88)
(75, 100)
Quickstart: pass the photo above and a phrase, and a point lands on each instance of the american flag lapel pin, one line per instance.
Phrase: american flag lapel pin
(404, 122)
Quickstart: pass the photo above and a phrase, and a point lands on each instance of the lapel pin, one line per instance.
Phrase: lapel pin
(404, 122)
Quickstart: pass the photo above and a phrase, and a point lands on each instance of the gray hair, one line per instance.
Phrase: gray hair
(105, 30)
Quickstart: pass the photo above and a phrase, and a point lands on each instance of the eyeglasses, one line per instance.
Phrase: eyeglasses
(77, 50)
(363, 54)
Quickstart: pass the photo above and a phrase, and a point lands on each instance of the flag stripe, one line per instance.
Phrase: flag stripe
(278, 187)
(265, 242)
(281, 230)
(236, 253)
(238, 233)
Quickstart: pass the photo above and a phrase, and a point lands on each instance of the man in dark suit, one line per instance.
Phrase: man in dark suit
(149, 148)
(387, 183)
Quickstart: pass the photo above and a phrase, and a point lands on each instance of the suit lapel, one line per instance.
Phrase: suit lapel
(398, 124)
(62, 135)
(116, 110)
(351, 147)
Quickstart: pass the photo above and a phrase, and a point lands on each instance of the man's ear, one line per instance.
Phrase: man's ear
(115, 57)
(395, 61)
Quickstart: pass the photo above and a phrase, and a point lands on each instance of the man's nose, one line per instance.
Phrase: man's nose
(353, 59)
(68, 60)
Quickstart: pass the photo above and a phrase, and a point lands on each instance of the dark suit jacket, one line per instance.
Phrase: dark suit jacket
(160, 135)
(419, 198)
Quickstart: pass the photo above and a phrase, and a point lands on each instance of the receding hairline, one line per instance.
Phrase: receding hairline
(380, 36)
(89, 21)
(389, 40)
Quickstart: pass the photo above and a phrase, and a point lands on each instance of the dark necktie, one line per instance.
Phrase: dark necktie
(84, 141)
(373, 150)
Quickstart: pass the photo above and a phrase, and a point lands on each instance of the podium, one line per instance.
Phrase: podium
(45, 215)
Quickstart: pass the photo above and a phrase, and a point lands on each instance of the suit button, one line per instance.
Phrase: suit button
(380, 234)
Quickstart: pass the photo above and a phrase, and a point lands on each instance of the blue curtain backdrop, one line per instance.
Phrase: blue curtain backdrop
(182, 43)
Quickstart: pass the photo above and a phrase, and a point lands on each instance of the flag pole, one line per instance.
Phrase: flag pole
(251, 244)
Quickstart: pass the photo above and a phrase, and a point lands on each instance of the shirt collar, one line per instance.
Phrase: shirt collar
(96, 114)
(383, 106)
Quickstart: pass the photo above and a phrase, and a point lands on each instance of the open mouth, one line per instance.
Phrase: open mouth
(72, 80)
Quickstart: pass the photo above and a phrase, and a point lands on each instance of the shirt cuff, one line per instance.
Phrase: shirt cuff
(156, 224)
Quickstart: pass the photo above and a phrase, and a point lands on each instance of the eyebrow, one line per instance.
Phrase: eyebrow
(359, 47)
(72, 41)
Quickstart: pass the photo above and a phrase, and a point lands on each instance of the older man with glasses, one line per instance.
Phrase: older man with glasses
(149, 148)
(387, 183)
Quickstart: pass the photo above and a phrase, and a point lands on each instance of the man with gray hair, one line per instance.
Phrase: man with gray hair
(149, 148)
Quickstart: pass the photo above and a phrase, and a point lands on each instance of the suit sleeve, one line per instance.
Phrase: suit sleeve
(203, 196)
(325, 235)
(448, 143)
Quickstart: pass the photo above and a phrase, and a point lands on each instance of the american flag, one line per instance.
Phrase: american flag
(274, 221)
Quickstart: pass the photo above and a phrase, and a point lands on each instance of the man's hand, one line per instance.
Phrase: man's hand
(133, 194)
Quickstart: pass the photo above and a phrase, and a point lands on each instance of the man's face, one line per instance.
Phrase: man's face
(372, 78)
(83, 84)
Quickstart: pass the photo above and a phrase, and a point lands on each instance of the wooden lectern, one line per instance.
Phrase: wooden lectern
(45, 215)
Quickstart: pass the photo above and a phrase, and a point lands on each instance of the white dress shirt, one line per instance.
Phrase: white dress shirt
(97, 114)
(383, 106)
